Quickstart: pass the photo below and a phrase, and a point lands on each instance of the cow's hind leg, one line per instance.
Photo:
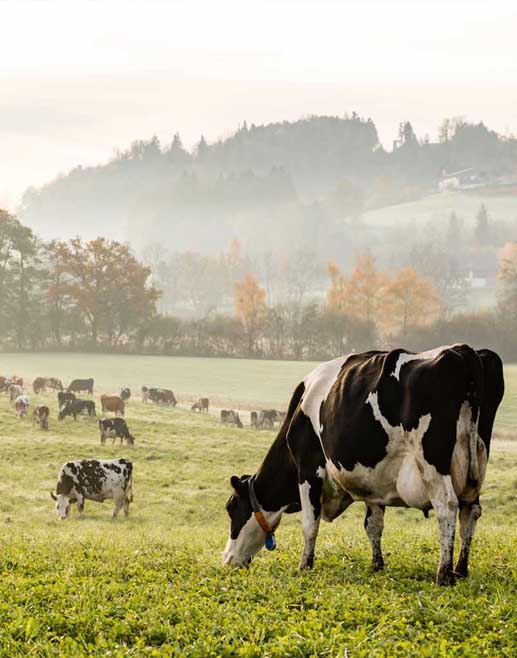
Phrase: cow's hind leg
(119, 501)
(374, 525)
(445, 503)
(469, 514)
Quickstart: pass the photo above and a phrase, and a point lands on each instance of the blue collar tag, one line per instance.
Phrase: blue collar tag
(270, 541)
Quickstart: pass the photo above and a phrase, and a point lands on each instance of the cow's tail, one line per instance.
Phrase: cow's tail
(475, 395)
(129, 490)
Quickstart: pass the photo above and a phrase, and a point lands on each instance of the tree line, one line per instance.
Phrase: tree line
(96, 295)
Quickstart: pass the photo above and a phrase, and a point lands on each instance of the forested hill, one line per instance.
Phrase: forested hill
(288, 182)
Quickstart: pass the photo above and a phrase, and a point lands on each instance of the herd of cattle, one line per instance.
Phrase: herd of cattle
(95, 479)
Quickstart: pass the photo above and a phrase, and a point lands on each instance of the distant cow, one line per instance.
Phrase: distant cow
(117, 428)
(54, 384)
(39, 385)
(94, 479)
(80, 385)
(125, 394)
(21, 406)
(253, 418)
(201, 405)
(230, 417)
(41, 415)
(112, 403)
(76, 407)
(162, 396)
(15, 390)
(63, 397)
(145, 394)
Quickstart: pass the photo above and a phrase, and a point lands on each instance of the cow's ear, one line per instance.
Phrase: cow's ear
(240, 485)
(53, 495)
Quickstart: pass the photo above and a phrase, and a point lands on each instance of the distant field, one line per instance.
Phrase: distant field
(436, 208)
(235, 382)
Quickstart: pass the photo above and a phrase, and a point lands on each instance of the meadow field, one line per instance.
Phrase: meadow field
(153, 584)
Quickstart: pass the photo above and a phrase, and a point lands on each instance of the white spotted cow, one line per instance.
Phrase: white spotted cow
(94, 479)
(386, 428)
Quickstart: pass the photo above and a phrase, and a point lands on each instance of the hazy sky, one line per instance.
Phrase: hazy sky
(78, 79)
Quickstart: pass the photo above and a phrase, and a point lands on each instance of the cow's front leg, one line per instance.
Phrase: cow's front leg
(118, 499)
(445, 503)
(469, 514)
(374, 525)
(310, 498)
(80, 505)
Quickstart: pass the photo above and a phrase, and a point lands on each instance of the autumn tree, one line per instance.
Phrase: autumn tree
(361, 294)
(410, 301)
(250, 308)
(104, 282)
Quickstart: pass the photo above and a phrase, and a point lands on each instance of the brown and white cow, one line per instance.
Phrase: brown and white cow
(386, 428)
(41, 415)
(201, 405)
(21, 406)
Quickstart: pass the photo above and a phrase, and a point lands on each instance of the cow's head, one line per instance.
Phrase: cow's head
(63, 504)
(246, 535)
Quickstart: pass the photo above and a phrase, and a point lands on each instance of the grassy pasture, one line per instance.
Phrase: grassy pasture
(152, 585)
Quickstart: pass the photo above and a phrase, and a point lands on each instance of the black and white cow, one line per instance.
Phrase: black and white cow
(117, 428)
(76, 407)
(93, 479)
(63, 397)
(387, 428)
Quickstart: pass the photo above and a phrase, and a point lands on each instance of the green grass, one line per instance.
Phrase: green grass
(153, 585)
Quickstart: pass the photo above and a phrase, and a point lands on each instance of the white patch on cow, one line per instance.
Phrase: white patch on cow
(250, 540)
(406, 358)
(317, 387)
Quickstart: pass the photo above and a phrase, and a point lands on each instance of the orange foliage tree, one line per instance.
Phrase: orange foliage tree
(409, 301)
(361, 294)
(507, 276)
(250, 308)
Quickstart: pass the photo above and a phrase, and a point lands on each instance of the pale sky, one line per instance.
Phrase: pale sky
(79, 79)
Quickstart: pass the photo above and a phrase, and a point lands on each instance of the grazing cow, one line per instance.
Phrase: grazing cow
(76, 407)
(39, 385)
(267, 418)
(387, 428)
(145, 394)
(54, 384)
(253, 419)
(94, 479)
(63, 397)
(116, 427)
(230, 417)
(162, 396)
(15, 390)
(80, 385)
(201, 405)
(112, 403)
(21, 406)
(41, 415)
(125, 394)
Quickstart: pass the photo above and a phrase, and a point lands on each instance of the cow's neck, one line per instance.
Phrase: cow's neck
(276, 483)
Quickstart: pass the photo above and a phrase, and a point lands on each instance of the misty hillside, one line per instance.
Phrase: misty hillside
(295, 184)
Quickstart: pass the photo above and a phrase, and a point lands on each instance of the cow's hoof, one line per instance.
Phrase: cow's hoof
(377, 565)
(306, 563)
(445, 578)
(462, 570)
